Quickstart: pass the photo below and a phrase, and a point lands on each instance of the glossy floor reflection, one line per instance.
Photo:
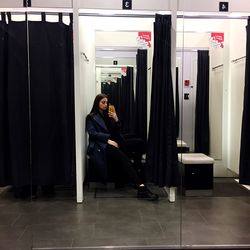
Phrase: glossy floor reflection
(123, 220)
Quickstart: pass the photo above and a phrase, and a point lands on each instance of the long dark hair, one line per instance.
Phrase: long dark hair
(95, 108)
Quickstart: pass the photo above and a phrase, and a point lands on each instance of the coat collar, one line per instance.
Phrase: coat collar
(99, 119)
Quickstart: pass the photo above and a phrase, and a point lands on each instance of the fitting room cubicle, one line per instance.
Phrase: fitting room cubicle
(56, 56)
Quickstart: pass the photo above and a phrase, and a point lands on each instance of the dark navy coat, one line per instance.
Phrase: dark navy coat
(98, 137)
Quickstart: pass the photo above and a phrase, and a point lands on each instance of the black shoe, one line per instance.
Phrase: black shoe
(144, 193)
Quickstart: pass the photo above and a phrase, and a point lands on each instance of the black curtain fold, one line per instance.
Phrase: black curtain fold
(4, 170)
(177, 103)
(52, 119)
(37, 112)
(162, 147)
(202, 104)
(112, 90)
(18, 105)
(119, 96)
(128, 102)
(141, 95)
(244, 166)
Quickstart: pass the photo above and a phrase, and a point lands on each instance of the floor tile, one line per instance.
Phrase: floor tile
(131, 230)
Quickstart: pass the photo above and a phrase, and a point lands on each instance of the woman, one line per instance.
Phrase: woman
(103, 127)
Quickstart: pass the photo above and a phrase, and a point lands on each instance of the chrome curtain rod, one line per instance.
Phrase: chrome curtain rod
(38, 13)
(210, 17)
(216, 67)
(118, 15)
(238, 59)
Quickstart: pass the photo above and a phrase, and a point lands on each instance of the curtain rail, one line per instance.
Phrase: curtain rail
(118, 15)
(38, 13)
(210, 17)
(238, 59)
(216, 67)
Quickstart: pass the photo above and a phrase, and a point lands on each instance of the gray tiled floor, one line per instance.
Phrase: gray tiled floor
(61, 222)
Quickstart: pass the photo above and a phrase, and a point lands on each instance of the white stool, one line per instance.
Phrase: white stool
(182, 146)
(197, 174)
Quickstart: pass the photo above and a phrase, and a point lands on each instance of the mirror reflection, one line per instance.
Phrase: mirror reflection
(211, 61)
(121, 73)
(213, 107)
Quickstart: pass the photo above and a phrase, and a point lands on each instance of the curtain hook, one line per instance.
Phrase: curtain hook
(3, 17)
(9, 17)
(71, 17)
(43, 15)
(60, 17)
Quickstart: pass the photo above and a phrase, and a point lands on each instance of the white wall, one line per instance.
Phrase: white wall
(216, 112)
(213, 5)
(11, 4)
(218, 93)
(88, 26)
(121, 61)
(117, 38)
(197, 33)
(117, 4)
(52, 4)
(237, 74)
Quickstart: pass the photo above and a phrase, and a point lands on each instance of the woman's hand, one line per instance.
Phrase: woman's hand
(113, 115)
(113, 143)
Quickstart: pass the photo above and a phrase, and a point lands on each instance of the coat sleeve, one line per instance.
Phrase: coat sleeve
(94, 134)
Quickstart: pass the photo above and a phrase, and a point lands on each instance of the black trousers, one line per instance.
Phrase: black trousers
(120, 166)
(134, 148)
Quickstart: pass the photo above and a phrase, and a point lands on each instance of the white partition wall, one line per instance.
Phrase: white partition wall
(11, 4)
(237, 82)
(117, 4)
(212, 5)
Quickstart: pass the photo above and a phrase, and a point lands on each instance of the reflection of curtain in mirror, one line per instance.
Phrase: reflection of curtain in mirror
(162, 147)
(4, 168)
(141, 95)
(50, 115)
(245, 135)
(177, 109)
(127, 102)
(202, 104)
(113, 91)
(107, 89)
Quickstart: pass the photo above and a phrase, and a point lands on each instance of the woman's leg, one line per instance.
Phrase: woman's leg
(134, 148)
(121, 165)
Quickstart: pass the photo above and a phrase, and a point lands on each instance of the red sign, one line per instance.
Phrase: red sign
(124, 71)
(145, 36)
(187, 83)
(217, 39)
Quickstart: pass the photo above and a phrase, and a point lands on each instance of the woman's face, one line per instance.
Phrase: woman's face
(103, 104)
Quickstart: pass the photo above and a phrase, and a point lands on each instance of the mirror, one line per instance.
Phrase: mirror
(225, 40)
(121, 73)
(215, 36)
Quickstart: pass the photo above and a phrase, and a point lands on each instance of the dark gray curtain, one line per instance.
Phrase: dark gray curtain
(113, 91)
(141, 95)
(42, 108)
(128, 102)
(245, 135)
(4, 170)
(177, 104)
(202, 104)
(18, 105)
(52, 113)
(162, 149)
